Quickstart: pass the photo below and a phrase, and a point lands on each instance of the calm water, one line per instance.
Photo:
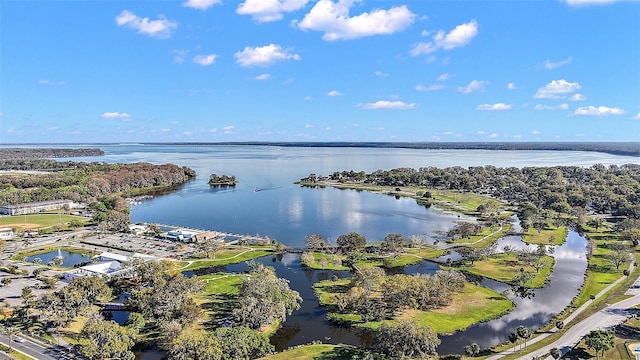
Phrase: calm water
(69, 259)
(287, 213)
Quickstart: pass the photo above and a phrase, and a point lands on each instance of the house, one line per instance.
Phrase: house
(6, 233)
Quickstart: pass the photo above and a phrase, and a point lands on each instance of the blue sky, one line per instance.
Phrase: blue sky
(327, 70)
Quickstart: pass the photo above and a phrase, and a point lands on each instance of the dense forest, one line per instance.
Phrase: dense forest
(46, 153)
(82, 182)
(601, 189)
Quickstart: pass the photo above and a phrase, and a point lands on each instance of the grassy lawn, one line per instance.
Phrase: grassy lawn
(324, 261)
(38, 221)
(504, 268)
(475, 304)
(221, 284)
(548, 236)
(486, 237)
(317, 351)
(228, 256)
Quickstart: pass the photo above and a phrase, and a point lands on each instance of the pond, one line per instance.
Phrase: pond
(534, 308)
(69, 259)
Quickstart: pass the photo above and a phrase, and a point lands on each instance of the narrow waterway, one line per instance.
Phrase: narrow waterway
(534, 308)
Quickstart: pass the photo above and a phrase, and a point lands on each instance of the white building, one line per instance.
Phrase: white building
(109, 264)
(36, 207)
(6, 233)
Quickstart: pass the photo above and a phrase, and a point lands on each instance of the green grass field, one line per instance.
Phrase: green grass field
(40, 221)
(504, 268)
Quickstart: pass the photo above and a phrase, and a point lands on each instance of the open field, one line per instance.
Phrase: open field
(37, 221)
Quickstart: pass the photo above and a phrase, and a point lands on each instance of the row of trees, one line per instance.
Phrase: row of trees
(560, 188)
(84, 182)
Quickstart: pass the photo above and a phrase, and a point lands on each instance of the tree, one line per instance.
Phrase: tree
(10, 330)
(106, 340)
(559, 325)
(471, 254)
(596, 223)
(135, 321)
(368, 279)
(555, 353)
(210, 247)
(513, 338)
(351, 242)
(307, 258)
(406, 338)
(315, 242)
(524, 333)
(393, 243)
(619, 254)
(600, 341)
(472, 350)
(264, 298)
(194, 344)
(240, 342)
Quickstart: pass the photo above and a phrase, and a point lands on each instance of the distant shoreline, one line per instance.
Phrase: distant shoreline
(614, 148)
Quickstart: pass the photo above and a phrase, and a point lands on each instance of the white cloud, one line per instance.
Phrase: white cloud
(474, 85)
(598, 111)
(494, 107)
(160, 28)
(547, 107)
(205, 60)
(461, 35)
(334, 93)
(263, 55)
(434, 87)
(511, 86)
(384, 104)
(263, 77)
(381, 74)
(556, 89)
(493, 135)
(588, 2)
(578, 97)
(637, 117)
(535, 132)
(548, 64)
(334, 20)
(269, 10)
(201, 4)
(53, 83)
(443, 77)
(115, 115)
(228, 129)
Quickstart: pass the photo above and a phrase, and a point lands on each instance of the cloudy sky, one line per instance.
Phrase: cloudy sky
(327, 70)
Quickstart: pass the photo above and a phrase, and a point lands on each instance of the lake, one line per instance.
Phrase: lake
(287, 213)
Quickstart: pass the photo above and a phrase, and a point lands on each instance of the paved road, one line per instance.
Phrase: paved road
(32, 349)
(610, 316)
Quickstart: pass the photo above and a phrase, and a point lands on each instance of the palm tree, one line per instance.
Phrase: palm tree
(10, 330)
(524, 333)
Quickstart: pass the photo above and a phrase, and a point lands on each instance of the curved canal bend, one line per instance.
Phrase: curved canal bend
(533, 311)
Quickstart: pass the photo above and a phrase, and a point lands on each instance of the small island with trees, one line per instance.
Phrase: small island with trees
(222, 180)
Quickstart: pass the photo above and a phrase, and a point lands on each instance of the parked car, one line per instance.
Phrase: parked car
(18, 339)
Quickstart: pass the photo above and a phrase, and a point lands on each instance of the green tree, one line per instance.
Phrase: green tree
(264, 298)
(393, 243)
(240, 342)
(472, 350)
(406, 338)
(135, 321)
(618, 255)
(368, 279)
(351, 242)
(555, 353)
(106, 340)
(523, 333)
(600, 341)
(194, 345)
(10, 330)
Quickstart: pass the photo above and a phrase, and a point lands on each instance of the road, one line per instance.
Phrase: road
(610, 316)
(32, 349)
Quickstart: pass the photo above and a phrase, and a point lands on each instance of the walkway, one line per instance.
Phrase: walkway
(610, 316)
